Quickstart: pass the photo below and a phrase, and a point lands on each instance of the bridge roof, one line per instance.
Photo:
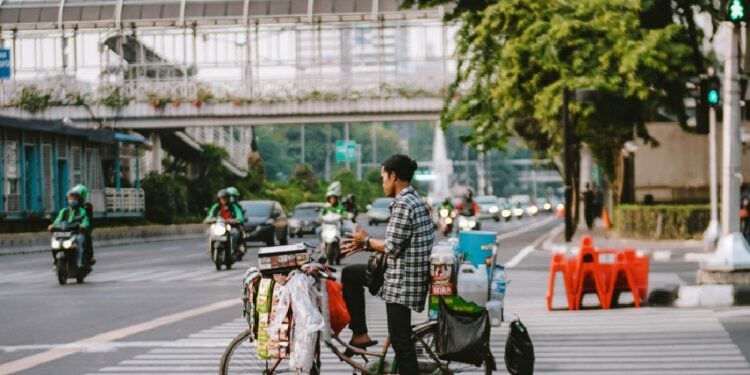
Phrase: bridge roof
(84, 14)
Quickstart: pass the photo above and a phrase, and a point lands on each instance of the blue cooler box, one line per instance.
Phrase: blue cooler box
(476, 246)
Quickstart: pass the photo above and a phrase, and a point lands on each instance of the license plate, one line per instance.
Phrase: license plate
(63, 234)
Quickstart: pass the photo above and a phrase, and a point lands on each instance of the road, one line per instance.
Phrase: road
(162, 308)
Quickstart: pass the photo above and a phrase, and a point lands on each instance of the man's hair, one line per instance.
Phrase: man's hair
(402, 165)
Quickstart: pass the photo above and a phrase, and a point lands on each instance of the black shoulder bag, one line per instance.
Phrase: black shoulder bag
(375, 272)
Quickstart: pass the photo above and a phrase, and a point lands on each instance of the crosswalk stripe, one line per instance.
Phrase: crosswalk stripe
(664, 341)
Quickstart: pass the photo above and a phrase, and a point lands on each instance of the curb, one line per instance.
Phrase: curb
(39, 242)
(700, 296)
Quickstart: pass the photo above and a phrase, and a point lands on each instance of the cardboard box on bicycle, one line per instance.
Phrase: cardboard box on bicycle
(281, 259)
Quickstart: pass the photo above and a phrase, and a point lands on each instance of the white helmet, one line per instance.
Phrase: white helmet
(334, 189)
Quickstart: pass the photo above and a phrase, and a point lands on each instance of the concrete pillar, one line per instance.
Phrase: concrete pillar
(156, 155)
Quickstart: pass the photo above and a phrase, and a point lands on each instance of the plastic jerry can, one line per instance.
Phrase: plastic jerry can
(472, 283)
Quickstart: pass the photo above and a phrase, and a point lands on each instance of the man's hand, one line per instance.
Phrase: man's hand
(353, 243)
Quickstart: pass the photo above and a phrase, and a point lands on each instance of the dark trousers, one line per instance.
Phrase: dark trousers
(354, 280)
(399, 329)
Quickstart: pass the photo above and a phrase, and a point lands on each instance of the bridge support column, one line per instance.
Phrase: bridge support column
(155, 154)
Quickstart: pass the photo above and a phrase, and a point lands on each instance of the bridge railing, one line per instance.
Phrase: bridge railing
(61, 91)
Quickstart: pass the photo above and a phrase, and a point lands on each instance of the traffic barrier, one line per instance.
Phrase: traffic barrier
(591, 272)
(560, 264)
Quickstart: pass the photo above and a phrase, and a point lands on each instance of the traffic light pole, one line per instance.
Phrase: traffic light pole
(732, 252)
(711, 235)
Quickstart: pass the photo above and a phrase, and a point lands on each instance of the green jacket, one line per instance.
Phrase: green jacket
(234, 209)
(71, 215)
(338, 209)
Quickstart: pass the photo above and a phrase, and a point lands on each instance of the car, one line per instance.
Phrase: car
(488, 207)
(265, 221)
(304, 219)
(379, 211)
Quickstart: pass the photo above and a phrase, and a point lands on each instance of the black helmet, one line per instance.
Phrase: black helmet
(469, 194)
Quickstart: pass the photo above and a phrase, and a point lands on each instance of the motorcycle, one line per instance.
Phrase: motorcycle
(64, 246)
(220, 242)
(445, 220)
(467, 223)
(331, 229)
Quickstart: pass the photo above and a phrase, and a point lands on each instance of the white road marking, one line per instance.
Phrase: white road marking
(107, 337)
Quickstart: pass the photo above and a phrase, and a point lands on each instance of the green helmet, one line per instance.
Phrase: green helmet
(82, 191)
(234, 194)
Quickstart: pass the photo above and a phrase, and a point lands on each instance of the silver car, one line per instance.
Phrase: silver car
(304, 219)
(379, 211)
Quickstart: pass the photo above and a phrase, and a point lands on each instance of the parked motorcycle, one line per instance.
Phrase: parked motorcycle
(445, 220)
(332, 227)
(64, 246)
(220, 242)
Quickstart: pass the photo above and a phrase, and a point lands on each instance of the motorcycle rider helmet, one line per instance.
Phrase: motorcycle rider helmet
(76, 195)
(234, 194)
(447, 200)
(82, 191)
(469, 194)
(222, 194)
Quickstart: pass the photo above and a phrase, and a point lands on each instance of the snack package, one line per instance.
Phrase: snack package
(265, 295)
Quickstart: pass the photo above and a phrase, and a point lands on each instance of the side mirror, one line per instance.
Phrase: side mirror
(369, 207)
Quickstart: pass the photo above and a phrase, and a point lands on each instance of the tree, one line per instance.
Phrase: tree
(515, 57)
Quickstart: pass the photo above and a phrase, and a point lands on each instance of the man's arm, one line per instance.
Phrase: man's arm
(84, 218)
(211, 212)
(238, 214)
(399, 229)
(59, 217)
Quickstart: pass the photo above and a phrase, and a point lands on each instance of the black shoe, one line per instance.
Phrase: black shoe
(348, 352)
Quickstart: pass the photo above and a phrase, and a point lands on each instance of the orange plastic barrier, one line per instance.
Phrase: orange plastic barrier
(586, 274)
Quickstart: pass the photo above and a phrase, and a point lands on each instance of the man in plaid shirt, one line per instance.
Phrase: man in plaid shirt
(407, 245)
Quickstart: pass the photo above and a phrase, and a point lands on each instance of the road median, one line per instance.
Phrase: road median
(20, 243)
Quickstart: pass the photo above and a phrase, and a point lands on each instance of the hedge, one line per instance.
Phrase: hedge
(661, 222)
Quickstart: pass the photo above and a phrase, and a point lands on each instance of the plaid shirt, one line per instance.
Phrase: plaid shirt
(408, 244)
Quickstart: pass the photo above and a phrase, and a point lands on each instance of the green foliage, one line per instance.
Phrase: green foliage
(305, 178)
(166, 198)
(365, 191)
(661, 222)
(115, 97)
(210, 177)
(516, 56)
(33, 100)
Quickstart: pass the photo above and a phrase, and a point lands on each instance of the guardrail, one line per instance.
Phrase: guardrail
(125, 200)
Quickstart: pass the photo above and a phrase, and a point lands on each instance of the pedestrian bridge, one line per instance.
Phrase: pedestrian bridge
(173, 70)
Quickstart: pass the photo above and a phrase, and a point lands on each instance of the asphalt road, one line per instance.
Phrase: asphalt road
(147, 298)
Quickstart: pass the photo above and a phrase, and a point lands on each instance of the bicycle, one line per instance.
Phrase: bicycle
(240, 355)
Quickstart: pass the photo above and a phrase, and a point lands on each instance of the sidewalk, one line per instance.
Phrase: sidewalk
(661, 250)
(19, 243)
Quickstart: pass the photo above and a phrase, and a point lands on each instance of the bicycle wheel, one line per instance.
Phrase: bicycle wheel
(425, 346)
(240, 357)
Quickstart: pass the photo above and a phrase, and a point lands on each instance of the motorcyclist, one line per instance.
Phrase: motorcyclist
(74, 213)
(332, 201)
(350, 205)
(228, 212)
(446, 205)
(468, 206)
(234, 198)
(88, 254)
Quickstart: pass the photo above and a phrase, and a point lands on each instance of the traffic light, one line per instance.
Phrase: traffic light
(736, 11)
(709, 95)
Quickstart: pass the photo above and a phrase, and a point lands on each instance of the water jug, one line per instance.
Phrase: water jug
(472, 283)
(498, 284)
(495, 310)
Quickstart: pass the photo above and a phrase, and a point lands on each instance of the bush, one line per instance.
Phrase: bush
(661, 222)
(166, 198)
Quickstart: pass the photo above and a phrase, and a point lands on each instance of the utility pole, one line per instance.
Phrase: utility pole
(712, 232)
(732, 251)
(568, 161)
(346, 142)
(302, 142)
